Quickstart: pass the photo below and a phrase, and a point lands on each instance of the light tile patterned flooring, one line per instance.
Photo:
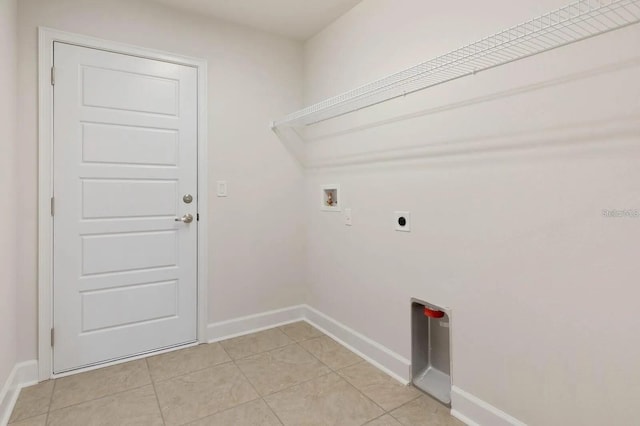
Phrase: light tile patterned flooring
(291, 375)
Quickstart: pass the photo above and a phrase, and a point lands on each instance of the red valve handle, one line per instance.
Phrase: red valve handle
(431, 313)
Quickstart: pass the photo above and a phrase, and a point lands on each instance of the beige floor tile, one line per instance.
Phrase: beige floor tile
(425, 411)
(254, 413)
(385, 420)
(33, 421)
(381, 388)
(95, 384)
(178, 363)
(331, 352)
(32, 401)
(202, 393)
(299, 331)
(281, 368)
(133, 407)
(255, 343)
(327, 400)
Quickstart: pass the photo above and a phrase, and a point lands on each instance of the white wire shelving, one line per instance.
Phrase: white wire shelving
(575, 22)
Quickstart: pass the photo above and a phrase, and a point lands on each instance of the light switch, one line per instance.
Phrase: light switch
(347, 217)
(222, 188)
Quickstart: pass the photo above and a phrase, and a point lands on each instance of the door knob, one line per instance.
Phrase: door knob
(187, 218)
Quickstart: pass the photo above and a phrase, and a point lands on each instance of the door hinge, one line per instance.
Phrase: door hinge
(52, 336)
(53, 76)
(53, 206)
(197, 217)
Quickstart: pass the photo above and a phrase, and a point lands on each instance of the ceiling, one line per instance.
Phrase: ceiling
(299, 19)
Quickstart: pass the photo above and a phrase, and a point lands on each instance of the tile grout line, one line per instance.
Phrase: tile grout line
(100, 397)
(241, 372)
(153, 383)
(46, 420)
(331, 368)
(308, 380)
(377, 418)
(373, 420)
(290, 387)
(226, 362)
(232, 361)
(191, 372)
(279, 328)
(332, 371)
(262, 397)
(363, 394)
(304, 349)
(272, 410)
(35, 415)
(235, 363)
(336, 372)
(383, 409)
(291, 342)
(155, 392)
(243, 375)
(263, 352)
(402, 405)
(364, 361)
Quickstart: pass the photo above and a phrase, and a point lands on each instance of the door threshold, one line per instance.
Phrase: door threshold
(123, 360)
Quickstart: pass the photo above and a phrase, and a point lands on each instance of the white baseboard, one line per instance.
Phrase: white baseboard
(468, 408)
(475, 412)
(23, 374)
(254, 323)
(382, 357)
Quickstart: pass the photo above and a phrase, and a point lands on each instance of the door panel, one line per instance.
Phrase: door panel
(117, 89)
(131, 300)
(125, 152)
(109, 143)
(103, 199)
(128, 252)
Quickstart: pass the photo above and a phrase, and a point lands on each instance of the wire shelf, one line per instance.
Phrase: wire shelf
(577, 21)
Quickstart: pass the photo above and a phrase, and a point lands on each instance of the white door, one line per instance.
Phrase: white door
(125, 155)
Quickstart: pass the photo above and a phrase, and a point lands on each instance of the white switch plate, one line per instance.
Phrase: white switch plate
(347, 217)
(221, 186)
(396, 221)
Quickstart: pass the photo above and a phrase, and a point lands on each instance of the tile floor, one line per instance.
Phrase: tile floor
(291, 375)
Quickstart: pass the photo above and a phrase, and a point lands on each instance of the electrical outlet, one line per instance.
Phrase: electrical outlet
(402, 221)
(347, 217)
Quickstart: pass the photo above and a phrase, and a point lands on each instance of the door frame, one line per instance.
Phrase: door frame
(46, 39)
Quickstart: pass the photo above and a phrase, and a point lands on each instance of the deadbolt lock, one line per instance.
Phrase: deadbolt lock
(188, 198)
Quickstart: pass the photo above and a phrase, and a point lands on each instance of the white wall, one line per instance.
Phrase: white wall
(8, 190)
(505, 174)
(507, 226)
(256, 244)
